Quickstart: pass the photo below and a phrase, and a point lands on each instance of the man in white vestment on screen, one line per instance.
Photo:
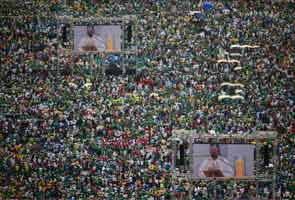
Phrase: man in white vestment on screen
(91, 42)
(215, 165)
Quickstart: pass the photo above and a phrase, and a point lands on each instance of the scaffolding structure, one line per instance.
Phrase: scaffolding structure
(192, 137)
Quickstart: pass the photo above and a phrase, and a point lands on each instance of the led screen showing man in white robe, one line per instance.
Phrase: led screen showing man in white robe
(215, 165)
(91, 42)
(97, 38)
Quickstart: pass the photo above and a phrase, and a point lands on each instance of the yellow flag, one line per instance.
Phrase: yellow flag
(110, 44)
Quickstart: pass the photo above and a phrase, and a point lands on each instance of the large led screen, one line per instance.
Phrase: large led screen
(223, 160)
(97, 38)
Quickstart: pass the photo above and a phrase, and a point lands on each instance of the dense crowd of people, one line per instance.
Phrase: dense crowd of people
(69, 131)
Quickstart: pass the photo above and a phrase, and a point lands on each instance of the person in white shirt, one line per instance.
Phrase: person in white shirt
(215, 165)
(91, 42)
